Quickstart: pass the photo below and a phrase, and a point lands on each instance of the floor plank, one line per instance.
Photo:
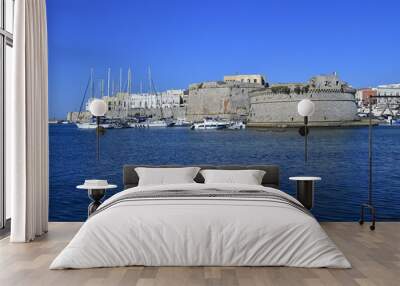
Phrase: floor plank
(375, 257)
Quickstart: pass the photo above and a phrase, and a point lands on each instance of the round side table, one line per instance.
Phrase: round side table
(95, 193)
(305, 190)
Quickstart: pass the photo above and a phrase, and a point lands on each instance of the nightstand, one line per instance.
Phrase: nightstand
(305, 190)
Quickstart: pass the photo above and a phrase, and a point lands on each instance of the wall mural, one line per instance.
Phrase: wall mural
(181, 101)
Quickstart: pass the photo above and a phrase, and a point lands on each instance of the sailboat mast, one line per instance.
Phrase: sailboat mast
(149, 75)
(108, 81)
(120, 80)
(92, 82)
(102, 88)
(131, 80)
(158, 101)
(113, 87)
(129, 87)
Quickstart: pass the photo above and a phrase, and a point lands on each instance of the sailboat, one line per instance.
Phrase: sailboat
(92, 123)
(53, 120)
(162, 122)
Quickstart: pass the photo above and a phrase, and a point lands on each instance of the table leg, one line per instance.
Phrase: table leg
(95, 196)
(305, 193)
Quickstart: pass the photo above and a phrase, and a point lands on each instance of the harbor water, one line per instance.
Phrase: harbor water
(338, 155)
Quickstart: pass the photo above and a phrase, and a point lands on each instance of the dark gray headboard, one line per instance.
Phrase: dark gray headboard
(271, 177)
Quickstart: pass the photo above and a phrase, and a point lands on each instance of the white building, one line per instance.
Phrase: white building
(172, 97)
(120, 103)
(165, 99)
(245, 78)
(388, 90)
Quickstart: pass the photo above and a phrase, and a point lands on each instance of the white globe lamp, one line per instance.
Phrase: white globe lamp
(306, 108)
(98, 107)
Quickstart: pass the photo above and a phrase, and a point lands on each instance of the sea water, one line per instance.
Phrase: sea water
(338, 155)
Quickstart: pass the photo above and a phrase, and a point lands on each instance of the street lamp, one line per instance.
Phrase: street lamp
(98, 108)
(305, 108)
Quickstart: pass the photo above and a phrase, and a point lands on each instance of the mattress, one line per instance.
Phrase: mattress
(201, 225)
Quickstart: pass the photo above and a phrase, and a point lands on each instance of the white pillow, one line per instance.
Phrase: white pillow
(248, 177)
(166, 176)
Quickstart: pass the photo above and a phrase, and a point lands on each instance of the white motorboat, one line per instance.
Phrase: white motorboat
(137, 125)
(92, 125)
(237, 125)
(159, 123)
(210, 124)
(156, 123)
(181, 122)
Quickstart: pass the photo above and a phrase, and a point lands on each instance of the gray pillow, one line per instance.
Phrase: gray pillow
(247, 177)
(166, 176)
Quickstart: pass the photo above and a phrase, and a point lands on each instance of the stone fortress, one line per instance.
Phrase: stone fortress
(248, 98)
(251, 98)
(228, 99)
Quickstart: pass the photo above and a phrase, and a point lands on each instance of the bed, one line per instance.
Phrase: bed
(197, 224)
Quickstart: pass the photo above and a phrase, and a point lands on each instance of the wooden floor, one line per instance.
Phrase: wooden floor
(375, 257)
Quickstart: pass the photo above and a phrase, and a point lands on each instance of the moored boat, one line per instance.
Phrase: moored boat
(159, 123)
(392, 121)
(92, 125)
(137, 125)
(210, 124)
(237, 125)
(182, 122)
(150, 123)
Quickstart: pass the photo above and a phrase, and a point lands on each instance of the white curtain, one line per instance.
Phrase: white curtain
(27, 124)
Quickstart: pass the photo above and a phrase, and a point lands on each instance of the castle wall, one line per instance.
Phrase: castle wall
(267, 107)
(228, 101)
(174, 112)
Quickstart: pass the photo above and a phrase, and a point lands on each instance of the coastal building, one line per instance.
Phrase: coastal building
(388, 90)
(247, 78)
(118, 105)
(165, 99)
(123, 104)
(363, 96)
(228, 99)
(387, 106)
(74, 116)
(172, 98)
(276, 105)
(250, 98)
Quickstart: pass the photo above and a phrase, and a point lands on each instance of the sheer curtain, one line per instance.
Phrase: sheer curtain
(27, 124)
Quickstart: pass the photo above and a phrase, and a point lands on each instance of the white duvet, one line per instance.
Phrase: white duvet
(200, 231)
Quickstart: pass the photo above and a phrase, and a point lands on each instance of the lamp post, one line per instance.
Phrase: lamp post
(98, 108)
(305, 108)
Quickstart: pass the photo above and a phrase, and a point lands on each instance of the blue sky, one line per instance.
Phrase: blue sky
(193, 41)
